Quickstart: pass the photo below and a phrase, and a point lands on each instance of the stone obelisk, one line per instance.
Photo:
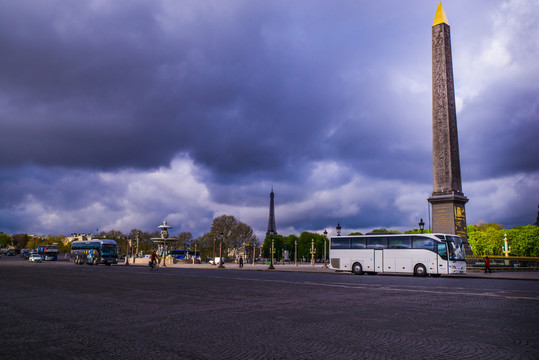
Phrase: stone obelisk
(448, 213)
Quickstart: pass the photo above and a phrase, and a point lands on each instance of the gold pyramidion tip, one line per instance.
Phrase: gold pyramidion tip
(440, 16)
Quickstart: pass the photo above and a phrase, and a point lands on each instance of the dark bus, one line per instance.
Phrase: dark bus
(94, 252)
(48, 252)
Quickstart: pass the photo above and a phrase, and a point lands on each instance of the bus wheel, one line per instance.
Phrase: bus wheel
(420, 270)
(357, 269)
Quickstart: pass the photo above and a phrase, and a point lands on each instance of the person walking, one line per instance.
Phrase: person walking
(241, 262)
(487, 265)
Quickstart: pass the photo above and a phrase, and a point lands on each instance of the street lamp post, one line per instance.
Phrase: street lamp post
(214, 239)
(421, 225)
(194, 257)
(338, 229)
(506, 249)
(254, 252)
(325, 238)
(296, 252)
(312, 252)
(126, 252)
(138, 241)
(271, 255)
(221, 266)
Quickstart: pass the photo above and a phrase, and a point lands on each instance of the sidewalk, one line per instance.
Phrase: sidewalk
(317, 268)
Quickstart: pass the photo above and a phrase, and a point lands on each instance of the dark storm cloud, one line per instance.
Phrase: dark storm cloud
(504, 140)
(256, 85)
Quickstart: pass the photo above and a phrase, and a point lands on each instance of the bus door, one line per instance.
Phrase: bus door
(443, 267)
(378, 260)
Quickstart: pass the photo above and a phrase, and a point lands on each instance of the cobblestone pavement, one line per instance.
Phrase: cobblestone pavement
(64, 311)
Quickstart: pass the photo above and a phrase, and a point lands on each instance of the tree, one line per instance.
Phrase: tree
(243, 234)
(487, 242)
(205, 245)
(418, 231)
(483, 226)
(19, 241)
(144, 244)
(355, 233)
(184, 241)
(524, 240)
(277, 246)
(235, 234)
(289, 243)
(382, 230)
(488, 239)
(5, 240)
(304, 245)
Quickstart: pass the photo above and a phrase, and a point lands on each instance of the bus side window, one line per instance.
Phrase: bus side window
(340, 243)
(442, 251)
(358, 243)
(400, 242)
(377, 242)
(423, 242)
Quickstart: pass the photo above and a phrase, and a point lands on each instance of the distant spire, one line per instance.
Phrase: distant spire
(537, 221)
(271, 221)
(440, 16)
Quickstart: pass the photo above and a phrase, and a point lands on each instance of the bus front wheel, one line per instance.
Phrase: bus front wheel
(420, 270)
(357, 269)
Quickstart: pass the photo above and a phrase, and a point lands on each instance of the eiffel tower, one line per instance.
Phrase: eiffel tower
(271, 222)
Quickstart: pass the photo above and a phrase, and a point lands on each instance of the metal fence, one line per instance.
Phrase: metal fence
(508, 263)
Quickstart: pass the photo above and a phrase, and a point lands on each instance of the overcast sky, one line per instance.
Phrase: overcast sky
(121, 114)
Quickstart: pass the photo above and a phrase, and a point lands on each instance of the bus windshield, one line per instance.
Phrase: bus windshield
(456, 249)
(109, 249)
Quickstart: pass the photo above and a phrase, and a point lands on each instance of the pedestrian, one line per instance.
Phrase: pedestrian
(487, 265)
(241, 262)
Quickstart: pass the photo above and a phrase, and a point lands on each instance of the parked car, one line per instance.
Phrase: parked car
(35, 258)
(216, 261)
(25, 253)
(10, 253)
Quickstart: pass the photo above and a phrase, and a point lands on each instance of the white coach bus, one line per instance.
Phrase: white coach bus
(418, 254)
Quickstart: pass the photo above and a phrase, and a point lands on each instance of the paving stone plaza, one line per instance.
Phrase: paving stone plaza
(58, 310)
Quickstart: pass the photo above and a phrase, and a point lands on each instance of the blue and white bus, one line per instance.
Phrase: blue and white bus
(418, 254)
(94, 252)
(48, 252)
